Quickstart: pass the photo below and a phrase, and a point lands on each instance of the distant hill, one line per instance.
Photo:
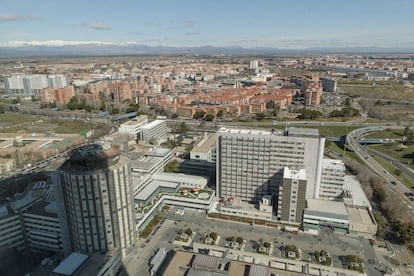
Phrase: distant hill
(98, 49)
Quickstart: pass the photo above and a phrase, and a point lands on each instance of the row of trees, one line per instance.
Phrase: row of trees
(308, 114)
(391, 216)
(345, 112)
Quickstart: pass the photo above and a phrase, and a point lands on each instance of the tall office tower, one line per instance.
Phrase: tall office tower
(291, 199)
(250, 162)
(332, 179)
(97, 192)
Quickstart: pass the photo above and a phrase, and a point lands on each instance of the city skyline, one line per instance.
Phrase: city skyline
(294, 25)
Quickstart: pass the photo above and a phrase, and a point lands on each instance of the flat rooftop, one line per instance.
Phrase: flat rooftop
(153, 124)
(294, 174)
(153, 187)
(358, 197)
(303, 132)
(205, 144)
(327, 206)
(360, 216)
(333, 164)
(180, 178)
(245, 131)
(69, 265)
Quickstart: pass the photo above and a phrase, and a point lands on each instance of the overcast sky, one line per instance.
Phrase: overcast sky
(286, 24)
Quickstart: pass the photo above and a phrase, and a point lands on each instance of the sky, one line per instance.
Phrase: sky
(285, 24)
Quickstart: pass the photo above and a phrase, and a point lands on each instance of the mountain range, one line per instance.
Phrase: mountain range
(106, 49)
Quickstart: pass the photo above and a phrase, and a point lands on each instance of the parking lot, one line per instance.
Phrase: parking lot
(335, 245)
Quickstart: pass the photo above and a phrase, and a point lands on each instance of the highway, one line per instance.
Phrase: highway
(364, 154)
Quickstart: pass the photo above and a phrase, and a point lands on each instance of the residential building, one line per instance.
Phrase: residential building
(57, 95)
(96, 187)
(250, 163)
(332, 179)
(329, 85)
(31, 85)
(292, 196)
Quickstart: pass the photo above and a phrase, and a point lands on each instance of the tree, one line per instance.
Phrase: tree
(220, 113)
(183, 128)
(213, 235)
(260, 116)
(407, 131)
(73, 103)
(397, 172)
(270, 104)
(199, 114)
(1, 109)
(209, 117)
(188, 231)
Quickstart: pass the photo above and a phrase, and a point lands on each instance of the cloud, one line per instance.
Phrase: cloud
(192, 33)
(55, 43)
(96, 26)
(35, 17)
(9, 17)
(189, 23)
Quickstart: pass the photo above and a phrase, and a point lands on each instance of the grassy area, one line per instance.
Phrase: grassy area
(151, 225)
(336, 131)
(390, 134)
(387, 90)
(404, 154)
(16, 118)
(69, 126)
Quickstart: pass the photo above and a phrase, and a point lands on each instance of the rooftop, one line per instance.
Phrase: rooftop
(153, 187)
(360, 216)
(244, 131)
(205, 144)
(333, 164)
(153, 124)
(303, 132)
(327, 206)
(69, 265)
(294, 174)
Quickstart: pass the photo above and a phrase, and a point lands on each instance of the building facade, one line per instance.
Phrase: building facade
(332, 179)
(31, 85)
(292, 196)
(97, 193)
(250, 163)
(155, 130)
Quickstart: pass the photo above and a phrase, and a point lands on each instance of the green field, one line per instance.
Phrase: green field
(16, 118)
(404, 154)
(384, 90)
(390, 134)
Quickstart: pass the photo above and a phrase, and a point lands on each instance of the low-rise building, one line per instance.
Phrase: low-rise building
(7, 165)
(156, 130)
(322, 214)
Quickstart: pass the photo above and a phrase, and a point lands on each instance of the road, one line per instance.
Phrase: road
(362, 152)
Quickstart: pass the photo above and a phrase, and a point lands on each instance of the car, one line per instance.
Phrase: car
(393, 183)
